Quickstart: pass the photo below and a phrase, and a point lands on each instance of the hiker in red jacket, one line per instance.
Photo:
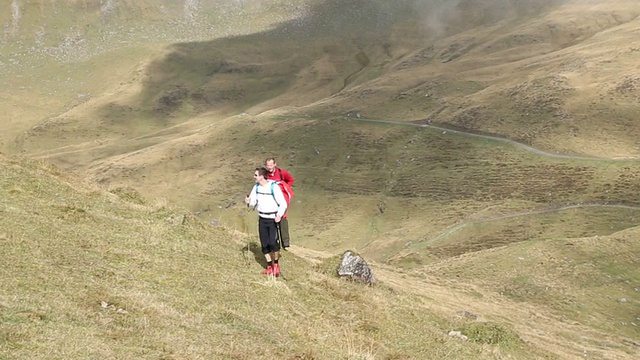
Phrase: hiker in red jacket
(278, 174)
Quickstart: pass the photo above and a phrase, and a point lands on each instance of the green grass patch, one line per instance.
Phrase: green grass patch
(492, 334)
(106, 274)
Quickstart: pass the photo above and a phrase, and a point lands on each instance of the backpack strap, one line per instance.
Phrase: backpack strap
(281, 177)
(273, 183)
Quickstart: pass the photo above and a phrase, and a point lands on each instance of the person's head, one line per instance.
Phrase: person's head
(270, 164)
(260, 175)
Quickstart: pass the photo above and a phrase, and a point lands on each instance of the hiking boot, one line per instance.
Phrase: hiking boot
(268, 270)
(276, 269)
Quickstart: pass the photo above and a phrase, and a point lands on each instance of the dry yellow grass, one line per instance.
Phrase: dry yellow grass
(96, 273)
(186, 122)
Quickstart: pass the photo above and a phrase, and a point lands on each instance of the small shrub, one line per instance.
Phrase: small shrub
(491, 333)
(129, 194)
(330, 266)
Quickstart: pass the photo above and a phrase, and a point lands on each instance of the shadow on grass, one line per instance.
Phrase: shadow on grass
(253, 249)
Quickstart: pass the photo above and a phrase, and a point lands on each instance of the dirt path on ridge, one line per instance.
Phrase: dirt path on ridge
(488, 137)
(450, 297)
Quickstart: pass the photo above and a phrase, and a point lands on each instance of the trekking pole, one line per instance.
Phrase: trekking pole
(248, 247)
(245, 229)
(280, 235)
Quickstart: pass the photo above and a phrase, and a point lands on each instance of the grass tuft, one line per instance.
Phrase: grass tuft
(492, 333)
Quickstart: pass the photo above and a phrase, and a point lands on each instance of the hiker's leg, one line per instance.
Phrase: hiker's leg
(263, 231)
(276, 264)
(284, 232)
(275, 248)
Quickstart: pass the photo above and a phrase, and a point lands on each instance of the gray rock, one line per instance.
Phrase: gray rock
(354, 267)
(458, 334)
(467, 314)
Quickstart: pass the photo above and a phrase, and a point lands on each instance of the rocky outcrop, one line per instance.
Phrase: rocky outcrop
(354, 267)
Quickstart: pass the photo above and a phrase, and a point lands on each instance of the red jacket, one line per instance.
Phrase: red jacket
(281, 175)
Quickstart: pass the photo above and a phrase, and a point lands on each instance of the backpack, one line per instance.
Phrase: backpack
(286, 188)
(286, 191)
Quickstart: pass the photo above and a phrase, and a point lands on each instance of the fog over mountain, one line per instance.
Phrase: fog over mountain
(37, 22)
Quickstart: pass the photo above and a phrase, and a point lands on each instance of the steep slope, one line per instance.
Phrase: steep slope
(536, 74)
(58, 55)
(106, 274)
(182, 120)
(182, 99)
(545, 80)
(587, 281)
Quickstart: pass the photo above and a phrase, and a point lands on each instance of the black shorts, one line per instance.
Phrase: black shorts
(268, 230)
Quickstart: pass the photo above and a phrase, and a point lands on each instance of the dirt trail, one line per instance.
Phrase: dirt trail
(534, 324)
(457, 227)
(488, 137)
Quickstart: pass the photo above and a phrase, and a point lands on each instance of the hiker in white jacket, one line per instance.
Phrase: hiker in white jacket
(267, 198)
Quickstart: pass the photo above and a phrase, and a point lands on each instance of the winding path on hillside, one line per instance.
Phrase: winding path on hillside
(451, 297)
(487, 137)
(457, 227)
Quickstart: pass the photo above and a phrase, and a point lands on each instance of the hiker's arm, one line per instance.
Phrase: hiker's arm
(253, 198)
(287, 177)
(282, 202)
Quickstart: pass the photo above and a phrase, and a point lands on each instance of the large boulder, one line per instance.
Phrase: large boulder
(354, 267)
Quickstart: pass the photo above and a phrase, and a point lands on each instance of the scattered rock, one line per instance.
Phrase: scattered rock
(106, 305)
(623, 300)
(171, 99)
(458, 334)
(631, 342)
(467, 314)
(354, 267)
(177, 220)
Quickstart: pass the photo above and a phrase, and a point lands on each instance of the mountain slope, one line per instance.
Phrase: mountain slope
(190, 120)
(181, 100)
(109, 275)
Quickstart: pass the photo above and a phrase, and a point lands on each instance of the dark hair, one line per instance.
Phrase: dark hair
(263, 172)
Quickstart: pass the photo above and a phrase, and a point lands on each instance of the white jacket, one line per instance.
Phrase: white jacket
(268, 200)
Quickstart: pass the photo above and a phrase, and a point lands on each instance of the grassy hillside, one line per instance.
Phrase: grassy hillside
(96, 273)
(482, 154)
(593, 282)
(377, 186)
(59, 55)
(537, 73)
